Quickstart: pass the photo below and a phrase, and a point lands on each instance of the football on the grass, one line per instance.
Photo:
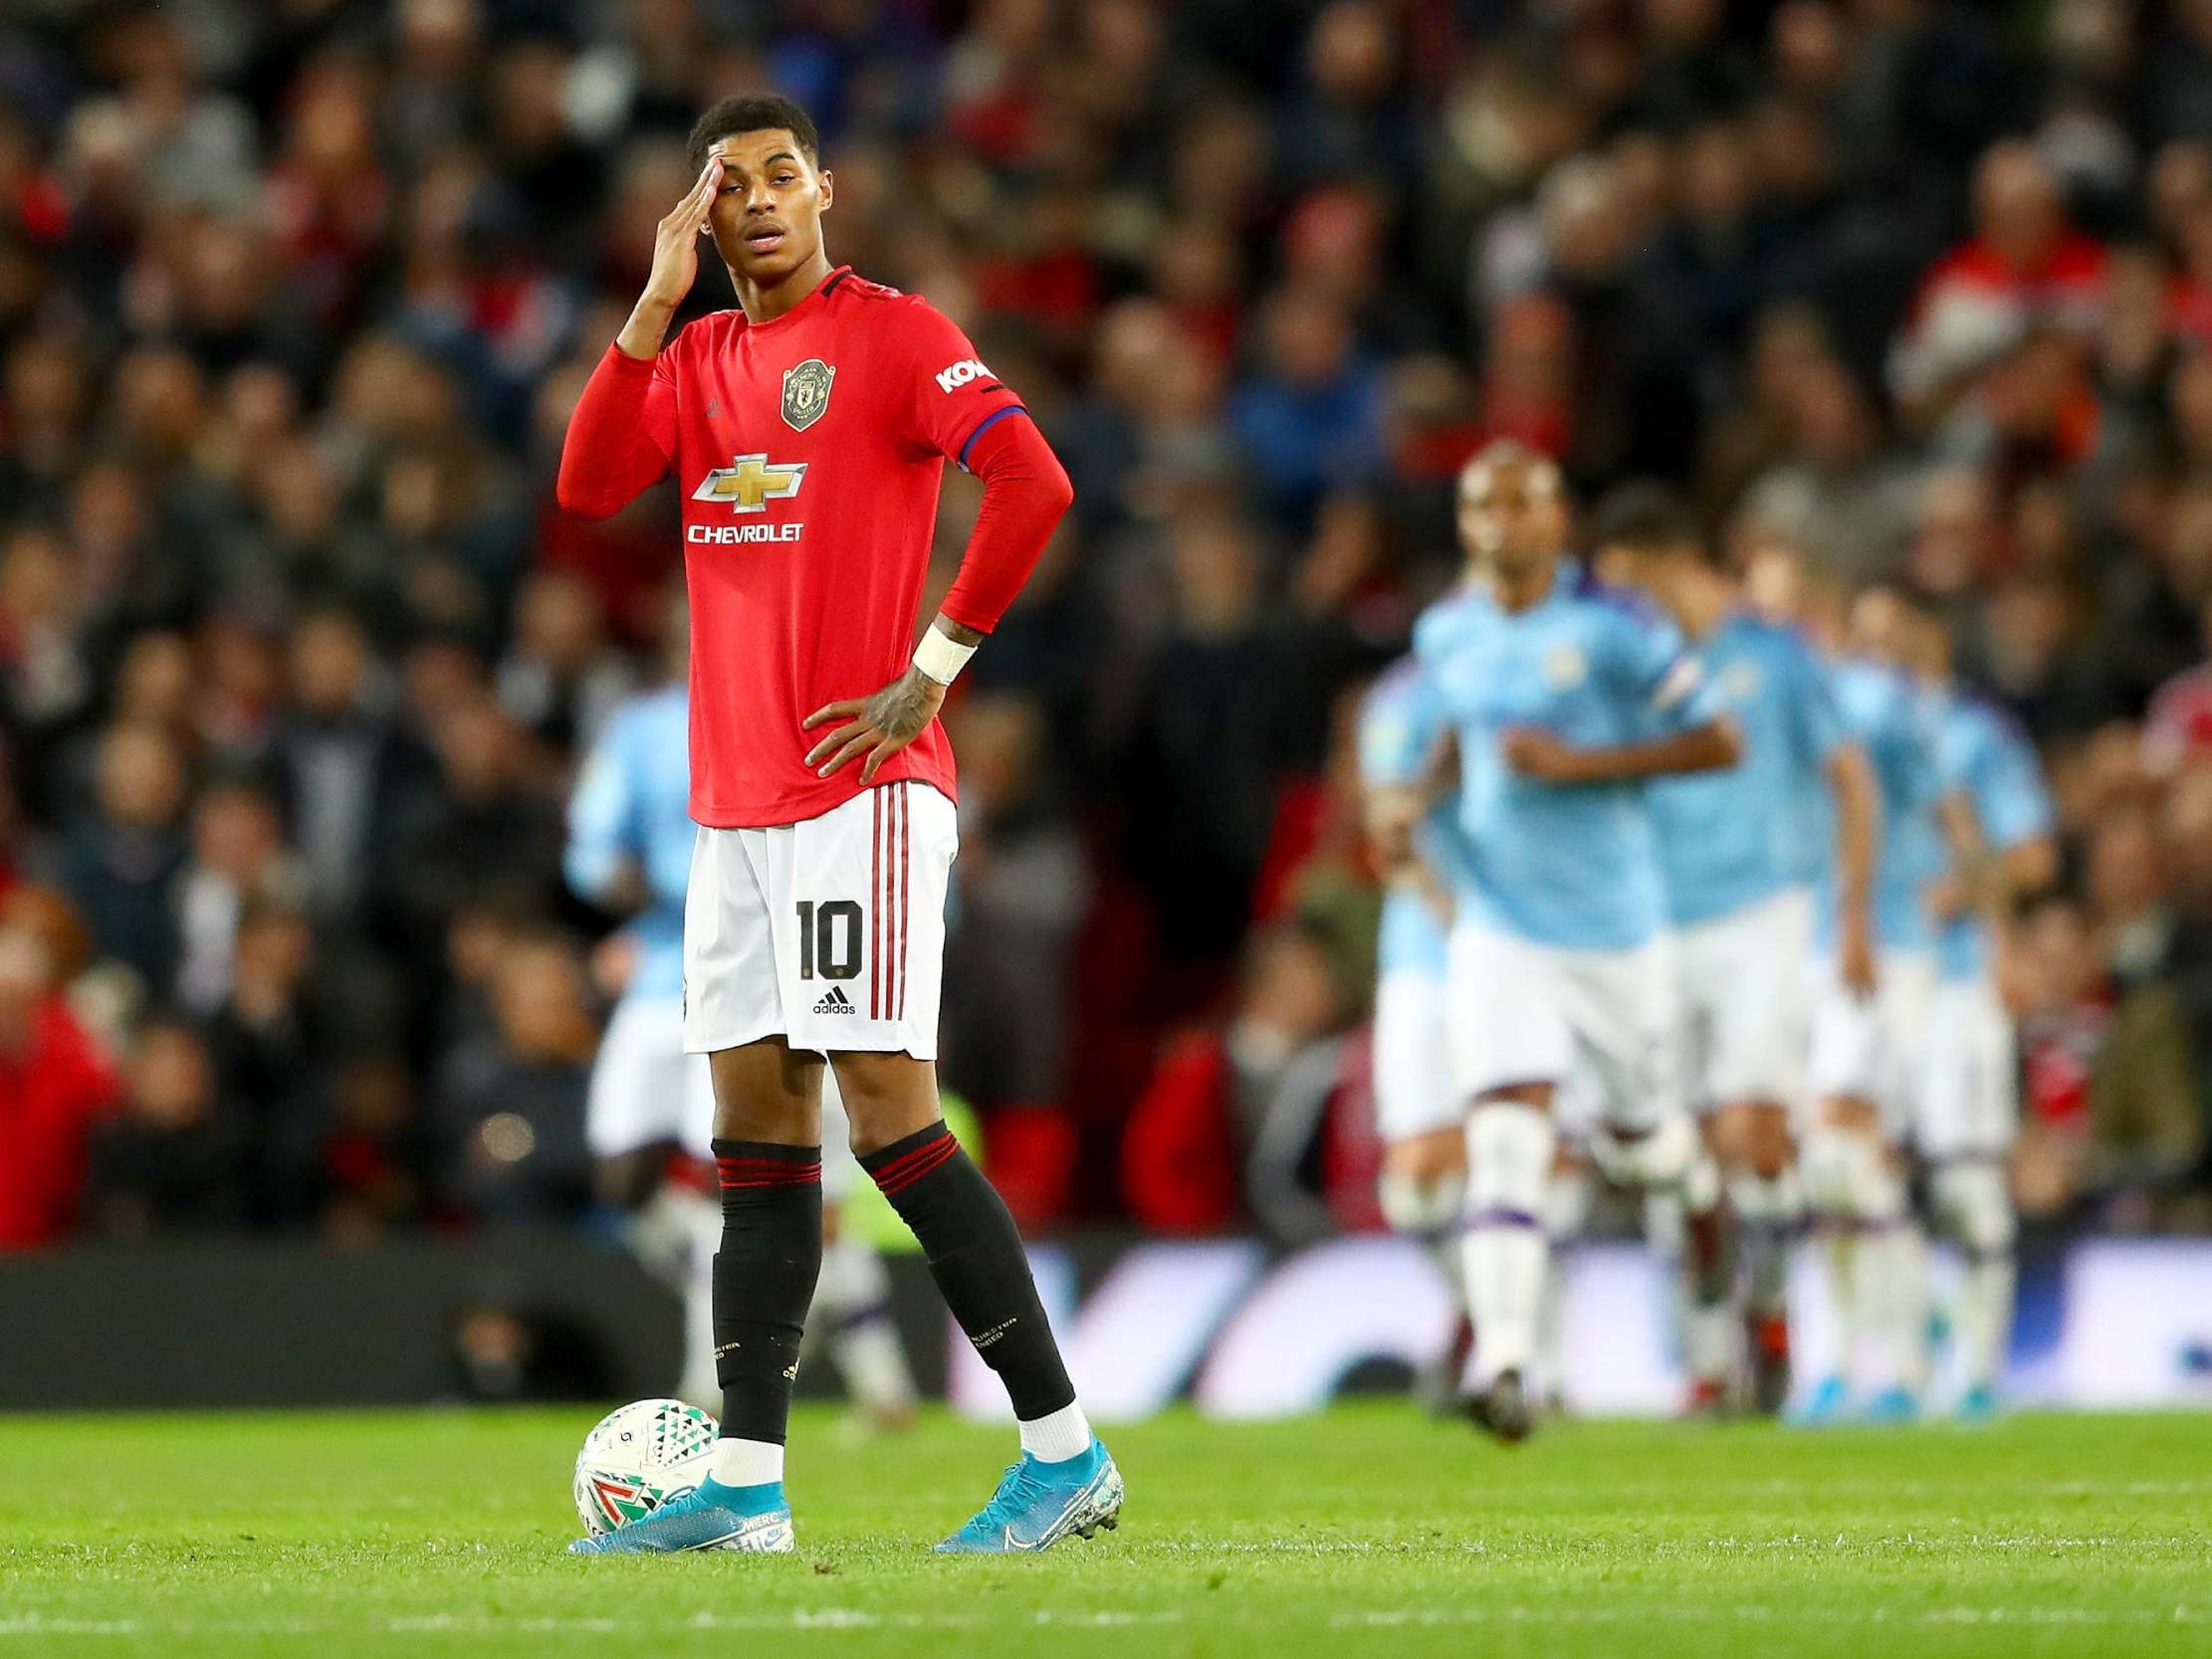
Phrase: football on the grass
(638, 1458)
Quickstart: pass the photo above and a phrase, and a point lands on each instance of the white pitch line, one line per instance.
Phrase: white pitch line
(802, 1621)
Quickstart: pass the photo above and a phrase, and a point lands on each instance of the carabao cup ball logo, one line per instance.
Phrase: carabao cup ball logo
(806, 393)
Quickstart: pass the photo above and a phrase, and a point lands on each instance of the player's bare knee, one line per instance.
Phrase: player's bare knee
(1428, 1159)
(1853, 1113)
(1537, 1095)
(887, 1097)
(769, 1091)
(1768, 1147)
(1973, 1206)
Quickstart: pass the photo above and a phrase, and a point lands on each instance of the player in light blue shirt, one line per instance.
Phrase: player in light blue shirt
(1411, 826)
(630, 834)
(1416, 826)
(1563, 697)
(1731, 849)
(1967, 1109)
(1870, 1050)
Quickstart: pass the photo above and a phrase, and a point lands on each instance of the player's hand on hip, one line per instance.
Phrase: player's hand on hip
(1534, 752)
(875, 726)
(676, 242)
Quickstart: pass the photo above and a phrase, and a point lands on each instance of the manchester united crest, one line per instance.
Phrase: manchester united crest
(806, 393)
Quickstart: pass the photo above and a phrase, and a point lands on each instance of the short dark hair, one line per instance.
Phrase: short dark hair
(753, 113)
(1645, 517)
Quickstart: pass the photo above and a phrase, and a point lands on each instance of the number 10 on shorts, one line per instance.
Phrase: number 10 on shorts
(829, 934)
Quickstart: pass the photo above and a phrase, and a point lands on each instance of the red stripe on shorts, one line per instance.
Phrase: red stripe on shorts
(906, 797)
(875, 914)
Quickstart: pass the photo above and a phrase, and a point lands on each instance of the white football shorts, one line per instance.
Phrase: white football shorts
(829, 933)
(1414, 1090)
(1873, 1048)
(1969, 1104)
(1600, 1024)
(1743, 1004)
(645, 1090)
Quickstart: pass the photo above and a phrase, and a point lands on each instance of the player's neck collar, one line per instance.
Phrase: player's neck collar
(1565, 576)
(807, 302)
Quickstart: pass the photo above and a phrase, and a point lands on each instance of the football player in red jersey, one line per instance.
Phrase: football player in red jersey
(807, 433)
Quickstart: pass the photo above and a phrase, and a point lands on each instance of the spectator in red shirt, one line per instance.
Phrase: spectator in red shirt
(55, 1084)
(2025, 264)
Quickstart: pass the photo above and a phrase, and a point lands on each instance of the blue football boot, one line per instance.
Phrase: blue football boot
(1978, 1404)
(1828, 1404)
(1893, 1405)
(1039, 1504)
(709, 1517)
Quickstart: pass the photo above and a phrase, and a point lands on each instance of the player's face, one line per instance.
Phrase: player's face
(767, 216)
(1881, 628)
(1511, 518)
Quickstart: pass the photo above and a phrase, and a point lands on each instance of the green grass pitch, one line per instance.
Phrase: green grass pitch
(1366, 1532)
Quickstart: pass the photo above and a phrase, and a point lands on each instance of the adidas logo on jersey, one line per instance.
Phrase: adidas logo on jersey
(837, 1002)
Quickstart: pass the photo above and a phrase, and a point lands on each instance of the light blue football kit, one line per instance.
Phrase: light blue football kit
(1872, 1049)
(1402, 725)
(631, 808)
(1731, 850)
(1558, 956)
(1968, 1106)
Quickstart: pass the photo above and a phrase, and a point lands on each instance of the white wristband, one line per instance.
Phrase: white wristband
(941, 658)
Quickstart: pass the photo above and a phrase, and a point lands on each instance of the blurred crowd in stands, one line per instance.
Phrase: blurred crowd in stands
(296, 654)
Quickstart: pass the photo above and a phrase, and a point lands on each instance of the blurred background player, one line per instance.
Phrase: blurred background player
(1743, 922)
(1966, 1114)
(1557, 961)
(1411, 817)
(1869, 1044)
(1418, 1115)
(630, 836)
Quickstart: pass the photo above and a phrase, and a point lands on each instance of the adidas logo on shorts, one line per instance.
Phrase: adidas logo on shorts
(837, 1002)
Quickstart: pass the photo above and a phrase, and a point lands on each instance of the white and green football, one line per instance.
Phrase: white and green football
(638, 1458)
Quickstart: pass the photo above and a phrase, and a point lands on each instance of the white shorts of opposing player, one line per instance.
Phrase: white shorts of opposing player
(829, 933)
(646, 1091)
(1746, 1012)
(1599, 1026)
(1965, 1117)
(1743, 1003)
(1414, 1097)
(1414, 1094)
(1872, 1050)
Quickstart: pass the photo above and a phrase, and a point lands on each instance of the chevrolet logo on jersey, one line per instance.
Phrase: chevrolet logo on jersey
(749, 483)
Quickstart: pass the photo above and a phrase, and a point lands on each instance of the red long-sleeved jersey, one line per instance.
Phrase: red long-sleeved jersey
(809, 450)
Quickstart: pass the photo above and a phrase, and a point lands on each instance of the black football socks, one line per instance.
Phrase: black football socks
(976, 1254)
(764, 1282)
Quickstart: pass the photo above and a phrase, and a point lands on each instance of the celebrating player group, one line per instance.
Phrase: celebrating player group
(1692, 884)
